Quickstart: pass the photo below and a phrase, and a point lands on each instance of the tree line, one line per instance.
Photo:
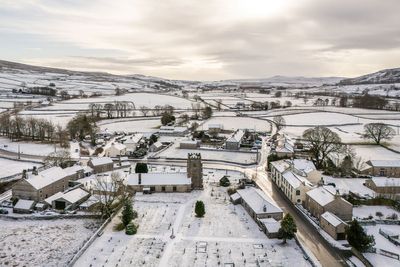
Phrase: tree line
(18, 128)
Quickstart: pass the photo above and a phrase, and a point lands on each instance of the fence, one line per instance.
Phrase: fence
(390, 237)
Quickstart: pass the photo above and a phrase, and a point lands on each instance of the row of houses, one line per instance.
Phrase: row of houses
(301, 183)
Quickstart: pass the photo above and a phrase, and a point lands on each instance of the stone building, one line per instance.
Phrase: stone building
(387, 168)
(325, 198)
(104, 164)
(234, 142)
(384, 185)
(333, 225)
(159, 182)
(195, 170)
(40, 186)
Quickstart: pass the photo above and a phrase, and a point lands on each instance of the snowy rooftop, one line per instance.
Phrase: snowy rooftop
(384, 163)
(271, 224)
(73, 169)
(74, 195)
(304, 165)
(46, 177)
(133, 139)
(236, 137)
(154, 178)
(24, 204)
(101, 161)
(258, 201)
(280, 165)
(321, 195)
(292, 179)
(235, 197)
(332, 218)
(386, 182)
(157, 144)
(50, 199)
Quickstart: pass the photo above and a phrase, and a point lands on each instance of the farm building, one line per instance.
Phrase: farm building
(131, 142)
(270, 227)
(387, 168)
(104, 164)
(68, 200)
(189, 144)
(325, 198)
(173, 131)
(40, 186)
(333, 225)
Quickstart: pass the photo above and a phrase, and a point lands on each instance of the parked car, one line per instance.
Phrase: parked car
(3, 211)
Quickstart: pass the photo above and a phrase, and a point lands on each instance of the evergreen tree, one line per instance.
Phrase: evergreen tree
(141, 168)
(224, 181)
(199, 209)
(288, 228)
(358, 238)
(127, 213)
(131, 229)
(346, 166)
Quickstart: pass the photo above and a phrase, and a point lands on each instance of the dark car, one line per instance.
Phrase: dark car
(3, 211)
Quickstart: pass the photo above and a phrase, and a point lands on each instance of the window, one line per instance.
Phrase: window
(297, 192)
(163, 188)
(174, 188)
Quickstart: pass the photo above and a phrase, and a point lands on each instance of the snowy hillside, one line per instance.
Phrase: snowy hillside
(383, 76)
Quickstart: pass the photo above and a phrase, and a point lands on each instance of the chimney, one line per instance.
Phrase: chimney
(140, 178)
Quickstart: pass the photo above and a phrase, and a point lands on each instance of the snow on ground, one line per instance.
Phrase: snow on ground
(233, 123)
(370, 152)
(139, 99)
(11, 167)
(42, 242)
(141, 126)
(354, 185)
(319, 118)
(382, 243)
(27, 148)
(209, 241)
(232, 156)
(362, 212)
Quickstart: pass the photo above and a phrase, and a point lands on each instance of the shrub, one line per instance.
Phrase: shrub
(224, 181)
(231, 190)
(199, 209)
(119, 227)
(131, 229)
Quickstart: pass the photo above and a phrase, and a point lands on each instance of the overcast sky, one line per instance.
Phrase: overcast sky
(204, 39)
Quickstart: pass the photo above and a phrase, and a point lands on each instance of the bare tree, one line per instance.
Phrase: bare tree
(378, 132)
(322, 142)
(60, 158)
(109, 190)
(280, 122)
(145, 110)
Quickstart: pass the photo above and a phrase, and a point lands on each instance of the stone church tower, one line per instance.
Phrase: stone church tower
(195, 170)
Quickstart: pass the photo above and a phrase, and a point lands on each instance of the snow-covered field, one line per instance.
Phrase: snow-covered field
(27, 148)
(142, 126)
(232, 156)
(383, 243)
(209, 241)
(233, 123)
(42, 242)
(11, 167)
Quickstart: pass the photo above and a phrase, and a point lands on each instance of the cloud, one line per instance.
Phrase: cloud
(209, 39)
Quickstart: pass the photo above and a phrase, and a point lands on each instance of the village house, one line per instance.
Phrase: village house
(234, 142)
(295, 178)
(103, 164)
(189, 144)
(157, 146)
(114, 149)
(132, 142)
(215, 128)
(42, 185)
(333, 225)
(384, 185)
(387, 168)
(326, 198)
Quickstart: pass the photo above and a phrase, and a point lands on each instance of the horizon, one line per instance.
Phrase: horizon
(204, 41)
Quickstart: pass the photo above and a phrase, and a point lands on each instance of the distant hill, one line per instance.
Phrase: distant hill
(380, 77)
